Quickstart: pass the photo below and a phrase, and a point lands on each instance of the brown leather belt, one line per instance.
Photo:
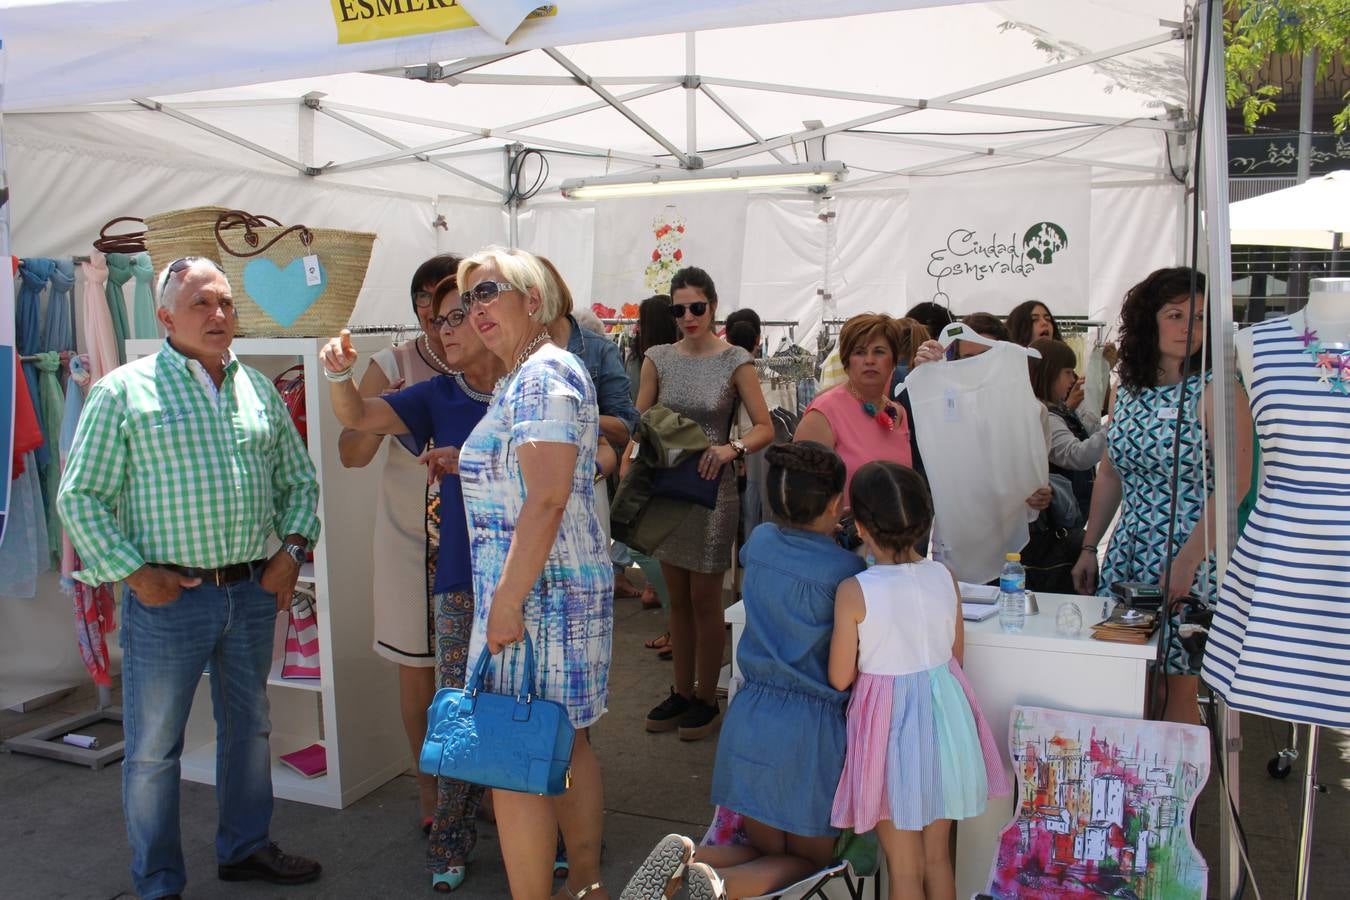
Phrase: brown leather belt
(218, 577)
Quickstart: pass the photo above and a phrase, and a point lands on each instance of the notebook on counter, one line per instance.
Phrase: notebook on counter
(978, 612)
(978, 593)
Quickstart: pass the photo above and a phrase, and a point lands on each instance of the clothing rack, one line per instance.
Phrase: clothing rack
(65, 357)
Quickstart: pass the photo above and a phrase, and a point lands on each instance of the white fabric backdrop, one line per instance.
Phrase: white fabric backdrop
(975, 226)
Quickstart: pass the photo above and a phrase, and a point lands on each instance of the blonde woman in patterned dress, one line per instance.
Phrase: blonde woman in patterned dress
(540, 560)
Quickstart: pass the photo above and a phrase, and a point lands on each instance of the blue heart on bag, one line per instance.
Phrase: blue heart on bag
(282, 293)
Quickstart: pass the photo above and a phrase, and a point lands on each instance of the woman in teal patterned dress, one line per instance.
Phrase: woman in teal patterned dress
(540, 560)
(1146, 416)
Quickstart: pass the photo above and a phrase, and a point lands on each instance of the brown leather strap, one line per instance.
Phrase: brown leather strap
(236, 217)
(130, 242)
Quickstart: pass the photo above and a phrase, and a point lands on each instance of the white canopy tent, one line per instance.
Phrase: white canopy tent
(927, 93)
(1313, 214)
(116, 107)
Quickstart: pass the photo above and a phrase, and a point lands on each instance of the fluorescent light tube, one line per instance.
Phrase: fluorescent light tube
(703, 180)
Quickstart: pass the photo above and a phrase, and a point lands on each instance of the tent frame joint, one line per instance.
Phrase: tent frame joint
(692, 82)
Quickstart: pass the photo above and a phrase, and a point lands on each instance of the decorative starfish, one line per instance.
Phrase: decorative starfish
(1327, 360)
(1313, 349)
(1308, 336)
(1341, 386)
(1343, 367)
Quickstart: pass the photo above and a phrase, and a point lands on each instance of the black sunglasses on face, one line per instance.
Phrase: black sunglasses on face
(698, 308)
(484, 292)
(454, 319)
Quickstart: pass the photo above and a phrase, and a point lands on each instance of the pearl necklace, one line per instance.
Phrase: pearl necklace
(436, 361)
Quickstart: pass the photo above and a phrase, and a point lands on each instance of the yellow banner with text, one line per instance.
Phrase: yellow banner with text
(377, 20)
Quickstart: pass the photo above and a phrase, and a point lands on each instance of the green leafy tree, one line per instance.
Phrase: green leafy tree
(1256, 30)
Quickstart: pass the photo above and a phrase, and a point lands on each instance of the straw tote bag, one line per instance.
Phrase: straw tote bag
(187, 232)
(292, 281)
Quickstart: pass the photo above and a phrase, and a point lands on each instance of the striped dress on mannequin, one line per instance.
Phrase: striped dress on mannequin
(1280, 644)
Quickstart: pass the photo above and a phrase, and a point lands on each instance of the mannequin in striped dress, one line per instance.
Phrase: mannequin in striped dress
(1280, 644)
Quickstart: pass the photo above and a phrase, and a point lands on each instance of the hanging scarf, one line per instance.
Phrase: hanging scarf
(58, 325)
(143, 321)
(33, 275)
(119, 273)
(51, 408)
(95, 616)
(98, 328)
(70, 420)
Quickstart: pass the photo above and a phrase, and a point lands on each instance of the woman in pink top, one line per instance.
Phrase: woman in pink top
(856, 419)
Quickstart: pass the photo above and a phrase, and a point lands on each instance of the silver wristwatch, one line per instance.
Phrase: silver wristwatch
(297, 553)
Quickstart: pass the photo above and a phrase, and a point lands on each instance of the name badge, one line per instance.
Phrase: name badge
(1167, 414)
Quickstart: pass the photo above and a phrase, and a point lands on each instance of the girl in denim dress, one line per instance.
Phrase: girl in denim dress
(783, 741)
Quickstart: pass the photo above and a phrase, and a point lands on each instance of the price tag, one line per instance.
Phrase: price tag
(313, 275)
(1167, 413)
(633, 453)
(951, 410)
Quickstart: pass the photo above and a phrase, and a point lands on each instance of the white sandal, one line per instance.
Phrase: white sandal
(588, 889)
(702, 883)
(667, 862)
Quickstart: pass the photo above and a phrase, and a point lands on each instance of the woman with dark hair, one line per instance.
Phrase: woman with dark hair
(405, 549)
(655, 328)
(1031, 320)
(1163, 398)
(703, 378)
(1075, 447)
(985, 325)
(934, 315)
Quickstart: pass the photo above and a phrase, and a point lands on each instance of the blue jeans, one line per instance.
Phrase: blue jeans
(227, 631)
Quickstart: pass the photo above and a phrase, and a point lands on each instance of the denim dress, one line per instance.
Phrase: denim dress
(783, 740)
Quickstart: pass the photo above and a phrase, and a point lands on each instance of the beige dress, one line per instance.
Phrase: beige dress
(405, 626)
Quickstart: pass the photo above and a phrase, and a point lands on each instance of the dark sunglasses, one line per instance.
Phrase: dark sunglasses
(698, 308)
(484, 292)
(184, 263)
(454, 319)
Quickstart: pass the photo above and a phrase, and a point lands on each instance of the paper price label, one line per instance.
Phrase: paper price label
(313, 275)
(951, 409)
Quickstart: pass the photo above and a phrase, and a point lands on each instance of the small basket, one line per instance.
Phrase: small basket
(266, 268)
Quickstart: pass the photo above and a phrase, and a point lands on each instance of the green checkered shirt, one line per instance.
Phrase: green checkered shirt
(163, 472)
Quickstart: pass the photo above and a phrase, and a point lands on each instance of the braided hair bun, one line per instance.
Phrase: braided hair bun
(803, 478)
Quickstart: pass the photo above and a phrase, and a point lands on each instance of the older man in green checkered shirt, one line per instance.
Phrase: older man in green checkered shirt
(184, 464)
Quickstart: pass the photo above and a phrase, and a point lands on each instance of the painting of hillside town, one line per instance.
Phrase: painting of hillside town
(1102, 809)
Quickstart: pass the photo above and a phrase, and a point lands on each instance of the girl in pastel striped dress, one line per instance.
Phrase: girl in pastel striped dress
(919, 751)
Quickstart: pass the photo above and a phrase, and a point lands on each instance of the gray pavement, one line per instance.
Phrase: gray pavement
(61, 831)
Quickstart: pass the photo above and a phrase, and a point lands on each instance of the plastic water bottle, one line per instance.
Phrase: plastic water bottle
(1012, 594)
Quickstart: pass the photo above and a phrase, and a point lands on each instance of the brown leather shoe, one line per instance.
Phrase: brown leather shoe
(271, 865)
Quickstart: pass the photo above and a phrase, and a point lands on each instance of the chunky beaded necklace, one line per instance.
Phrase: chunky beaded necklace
(885, 416)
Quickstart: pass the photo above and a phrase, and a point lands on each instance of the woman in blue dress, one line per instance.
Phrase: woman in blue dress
(540, 560)
(1163, 396)
(442, 411)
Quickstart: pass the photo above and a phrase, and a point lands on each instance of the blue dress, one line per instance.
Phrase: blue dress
(1140, 445)
(570, 612)
(445, 409)
(783, 741)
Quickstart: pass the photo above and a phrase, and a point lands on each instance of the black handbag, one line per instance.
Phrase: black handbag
(683, 482)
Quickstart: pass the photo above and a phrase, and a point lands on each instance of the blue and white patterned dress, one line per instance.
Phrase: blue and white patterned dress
(1280, 644)
(1140, 444)
(569, 614)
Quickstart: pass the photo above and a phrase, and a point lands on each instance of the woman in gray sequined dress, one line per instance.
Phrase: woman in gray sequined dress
(701, 377)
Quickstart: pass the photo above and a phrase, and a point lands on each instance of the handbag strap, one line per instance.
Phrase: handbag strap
(236, 217)
(475, 684)
(130, 242)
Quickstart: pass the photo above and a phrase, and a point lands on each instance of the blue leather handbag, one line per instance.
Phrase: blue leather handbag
(521, 743)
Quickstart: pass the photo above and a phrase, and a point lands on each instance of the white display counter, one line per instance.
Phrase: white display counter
(1035, 667)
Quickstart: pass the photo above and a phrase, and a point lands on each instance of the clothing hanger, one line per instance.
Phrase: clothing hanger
(963, 332)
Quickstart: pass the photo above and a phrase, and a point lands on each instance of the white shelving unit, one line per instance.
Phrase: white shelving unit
(353, 707)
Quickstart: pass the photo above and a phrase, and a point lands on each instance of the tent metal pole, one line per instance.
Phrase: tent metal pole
(1009, 151)
(618, 105)
(1213, 166)
(736, 117)
(690, 97)
(156, 106)
(424, 72)
(512, 202)
(567, 81)
(805, 134)
(375, 133)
